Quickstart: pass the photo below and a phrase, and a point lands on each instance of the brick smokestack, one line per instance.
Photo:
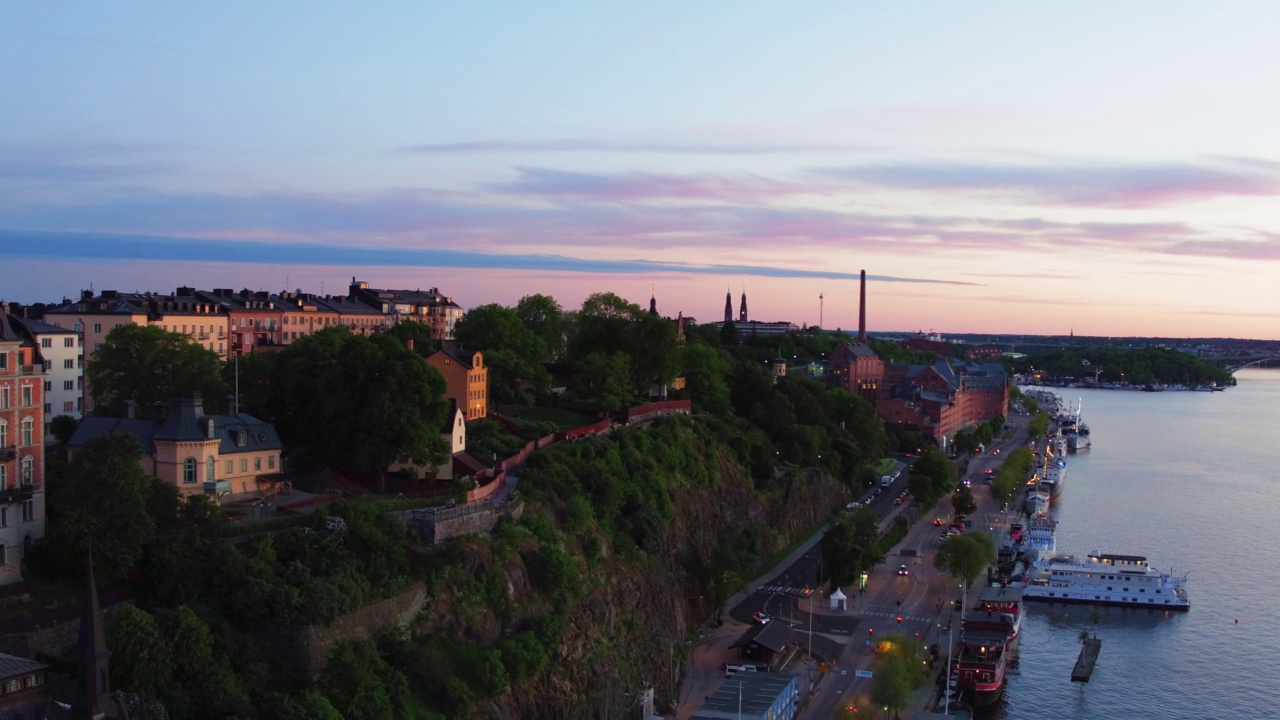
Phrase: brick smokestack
(862, 309)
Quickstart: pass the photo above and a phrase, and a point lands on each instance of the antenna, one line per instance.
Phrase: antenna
(821, 297)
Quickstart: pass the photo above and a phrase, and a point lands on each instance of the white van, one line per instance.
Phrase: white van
(886, 481)
(729, 670)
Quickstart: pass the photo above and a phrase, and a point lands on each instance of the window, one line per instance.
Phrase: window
(48, 408)
(211, 469)
(26, 470)
(257, 463)
(242, 439)
(230, 467)
(244, 465)
(271, 462)
(97, 327)
(189, 471)
(4, 360)
(68, 407)
(78, 326)
(4, 555)
(28, 510)
(27, 426)
(48, 385)
(4, 517)
(4, 395)
(4, 435)
(69, 364)
(68, 342)
(47, 364)
(4, 476)
(26, 396)
(46, 342)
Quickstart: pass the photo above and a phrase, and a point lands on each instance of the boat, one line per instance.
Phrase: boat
(1076, 432)
(1038, 503)
(1006, 602)
(984, 657)
(1040, 537)
(1105, 579)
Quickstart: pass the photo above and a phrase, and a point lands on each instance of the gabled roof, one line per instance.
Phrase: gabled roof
(773, 636)
(13, 666)
(40, 327)
(91, 427)
(458, 355)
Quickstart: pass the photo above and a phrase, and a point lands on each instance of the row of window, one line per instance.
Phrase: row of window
(66, 385)
(67, 407)
(47, 342)
(191, 468)
(28, 514)
(6, 399)
(26, 470)
(26, 431)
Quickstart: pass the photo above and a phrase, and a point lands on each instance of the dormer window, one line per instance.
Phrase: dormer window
(242, 438)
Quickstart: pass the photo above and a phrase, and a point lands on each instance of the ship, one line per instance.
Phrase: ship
(1040, 536)
(1075, 431)
(984, 656)
(1106, 579)
(1004, 601)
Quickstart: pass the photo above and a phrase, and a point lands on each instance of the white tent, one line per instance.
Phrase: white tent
(838, 600)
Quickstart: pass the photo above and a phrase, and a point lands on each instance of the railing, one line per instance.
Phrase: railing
(8, 453)
(28, 370)
(18, 493)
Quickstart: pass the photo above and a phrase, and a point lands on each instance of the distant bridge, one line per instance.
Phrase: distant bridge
(1234, 364)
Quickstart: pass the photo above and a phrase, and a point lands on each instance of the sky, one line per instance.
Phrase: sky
(1098, 168)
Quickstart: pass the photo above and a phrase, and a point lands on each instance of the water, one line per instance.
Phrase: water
(1189, 480)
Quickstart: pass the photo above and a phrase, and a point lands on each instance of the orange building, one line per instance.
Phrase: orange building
(857, 369)
(303, 315)
(466, 380)
(21, 447)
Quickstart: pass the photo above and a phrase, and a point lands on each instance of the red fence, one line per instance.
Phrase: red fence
(641, 413)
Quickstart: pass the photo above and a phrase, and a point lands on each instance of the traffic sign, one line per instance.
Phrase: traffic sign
(862, 673)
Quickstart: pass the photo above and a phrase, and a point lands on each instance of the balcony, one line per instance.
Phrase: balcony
(8, 453)
(29, 369)
(18, 493)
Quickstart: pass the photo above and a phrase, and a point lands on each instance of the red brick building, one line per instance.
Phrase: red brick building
(21, 447)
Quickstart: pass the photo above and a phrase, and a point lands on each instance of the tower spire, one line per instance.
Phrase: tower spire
(862, 309)
(728, 305)
(742, 310)
(93, 693)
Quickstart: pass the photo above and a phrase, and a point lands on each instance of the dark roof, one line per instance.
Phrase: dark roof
(1000, 594)
(746, 695)
(8, 333)
(459, 355)
(91, 427)
(450, 416)
(39, 327)
(773, 636)
(13, 666)
(860, 350)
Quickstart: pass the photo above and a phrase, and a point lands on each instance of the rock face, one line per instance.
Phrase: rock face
(629, 627)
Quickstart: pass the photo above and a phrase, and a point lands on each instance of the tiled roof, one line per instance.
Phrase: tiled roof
(13, 666)
(91, 427)
(39, 327)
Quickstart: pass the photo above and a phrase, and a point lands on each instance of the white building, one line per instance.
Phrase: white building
(63, 353)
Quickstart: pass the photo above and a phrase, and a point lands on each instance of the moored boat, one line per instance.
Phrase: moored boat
(1106, 579)
(983, 659)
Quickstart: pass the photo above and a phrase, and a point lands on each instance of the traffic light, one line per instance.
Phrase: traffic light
(899, 619)
(871, 631)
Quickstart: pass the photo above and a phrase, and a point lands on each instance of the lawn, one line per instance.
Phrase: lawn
(563, 419)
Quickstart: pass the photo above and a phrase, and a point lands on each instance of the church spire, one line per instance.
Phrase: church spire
(653, 304)
(728, 306)
(742, 311)
(93, 693)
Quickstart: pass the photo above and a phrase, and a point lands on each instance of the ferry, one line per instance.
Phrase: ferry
(1040, 537)
(1005, 602)
(1106, 579)
(1038, 503)
(983, 659)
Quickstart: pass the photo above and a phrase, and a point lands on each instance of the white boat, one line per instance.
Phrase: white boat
(1077, 433)
(1038, 502)
(1106, 579)
(1040, 536)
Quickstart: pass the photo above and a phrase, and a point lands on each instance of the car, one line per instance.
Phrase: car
(896, 473)
(762, 617)
(996, 451)
(878, 491)
(902, 570)
(853, 505)
(937, 521)
(968, 482)
(988, 471)
(986, 481)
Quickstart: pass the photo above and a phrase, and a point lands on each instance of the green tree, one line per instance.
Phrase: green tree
(705, 370)
(932, 477)
(141, 660)
(63, 427)
(250, 377)
(360, 684)
(890, 687)
(514, 354)
(603, 380)
(360, 403)
(962, 501)
(150, 366)
(849, 546)
(544, 317)
(108, 501)
(965, 556)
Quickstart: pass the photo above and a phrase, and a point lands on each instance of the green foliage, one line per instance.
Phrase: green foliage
(1038, 424)
(891, 687)
(850, 546)
(1017, 465)
(705, 370)
(62, 427)
(150, 366)
(1148, 365)
(105, 499)
(361, 685)
(932, 477)
(962, 501)
(141, 657)
(513, 352)
(544, 317)
(523, 655)
(359, 402)
(965, 556)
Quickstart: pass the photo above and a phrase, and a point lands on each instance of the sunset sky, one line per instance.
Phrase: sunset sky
(1097, 167)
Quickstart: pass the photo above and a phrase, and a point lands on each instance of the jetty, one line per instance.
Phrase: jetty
(1090, 647)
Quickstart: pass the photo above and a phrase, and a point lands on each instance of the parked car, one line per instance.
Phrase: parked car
(762, 617)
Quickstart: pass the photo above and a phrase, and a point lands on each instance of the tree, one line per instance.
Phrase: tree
(360, 684)
(149, 366)
(63, 427)
(603, 381)
(141, 661)
(965, 556)
(962, 501)
(931, 478)
(251, 377)
(544, 317)
(109, 501)
(360, 403)
(705, 370)
(849, 546)
(513, 353)
(890, 688)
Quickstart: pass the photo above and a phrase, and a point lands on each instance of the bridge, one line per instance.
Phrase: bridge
(1239, 363)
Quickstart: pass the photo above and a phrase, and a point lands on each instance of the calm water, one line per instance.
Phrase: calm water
(1189, 480)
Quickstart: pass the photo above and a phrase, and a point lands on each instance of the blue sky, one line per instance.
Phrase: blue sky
(1097, 167)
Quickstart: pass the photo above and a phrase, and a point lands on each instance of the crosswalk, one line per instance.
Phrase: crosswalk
(796, 592)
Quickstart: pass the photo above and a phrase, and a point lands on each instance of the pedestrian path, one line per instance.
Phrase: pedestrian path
(791, 590)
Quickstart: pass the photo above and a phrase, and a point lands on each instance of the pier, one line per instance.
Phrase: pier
(1090, 647)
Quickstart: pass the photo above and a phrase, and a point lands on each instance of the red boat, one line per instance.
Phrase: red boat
(1006, 601)
(981, 664)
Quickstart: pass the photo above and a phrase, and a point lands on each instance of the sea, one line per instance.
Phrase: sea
(1191, 480)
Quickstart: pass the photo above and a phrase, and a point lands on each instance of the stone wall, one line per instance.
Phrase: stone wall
(302, 650)
(440, 524)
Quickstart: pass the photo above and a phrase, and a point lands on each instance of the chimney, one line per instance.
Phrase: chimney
(409, 344)
(862, 309)
(131, 410)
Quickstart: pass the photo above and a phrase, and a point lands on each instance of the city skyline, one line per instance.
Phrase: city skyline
(995, 169)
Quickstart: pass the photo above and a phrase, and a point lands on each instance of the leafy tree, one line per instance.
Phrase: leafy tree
(513, 353)
(890, 687)
(359, 403)
(544, 317)
(962, 501)
(63, 427)
(141, 660)
(252, 376)
(705, 370)
(965, 556)
(849, 546)
(424, 341)
(603, 380)
(1038, 424)
(149, 366)
(932, 477)
(360, 684)
(108, 501)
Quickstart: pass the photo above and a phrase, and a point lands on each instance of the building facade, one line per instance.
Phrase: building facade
(62, 353)
(429, 307)
(466, 380)
(21, 447)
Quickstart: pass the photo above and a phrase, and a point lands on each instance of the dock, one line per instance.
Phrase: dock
(1088, 657)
